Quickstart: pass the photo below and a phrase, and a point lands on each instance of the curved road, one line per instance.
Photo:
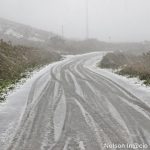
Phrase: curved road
(73, 108)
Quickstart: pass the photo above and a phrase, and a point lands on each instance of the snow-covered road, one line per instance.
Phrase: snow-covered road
(74, 106)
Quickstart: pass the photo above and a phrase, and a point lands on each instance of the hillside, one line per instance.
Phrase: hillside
(15, 60)
(28, 36)
(23, 34)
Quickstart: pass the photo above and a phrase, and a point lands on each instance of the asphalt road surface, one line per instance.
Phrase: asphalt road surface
(71, 107)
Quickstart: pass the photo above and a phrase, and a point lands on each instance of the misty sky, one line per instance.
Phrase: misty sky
(122, 20)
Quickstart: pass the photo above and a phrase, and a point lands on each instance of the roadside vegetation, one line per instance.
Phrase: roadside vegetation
(15, 61)
(129, 64)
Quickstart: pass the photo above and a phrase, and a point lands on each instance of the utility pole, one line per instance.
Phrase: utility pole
(62, 30)
(109, 38)
(87, 19)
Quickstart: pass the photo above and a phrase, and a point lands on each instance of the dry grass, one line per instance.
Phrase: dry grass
(132, 65)
(15, 60)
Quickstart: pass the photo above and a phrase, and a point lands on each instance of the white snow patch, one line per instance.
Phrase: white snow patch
(147, 135)
(90, 122)
(35, 39)
(40, 85)
(77, 86)
(6, 136)
(13, 33)
(66, 144)
(59, 118)
(12, 109)
(81, 145)
(139, 90)
(115, 114)
(137, 108)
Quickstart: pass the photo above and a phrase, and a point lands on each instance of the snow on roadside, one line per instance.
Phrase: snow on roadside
(59, 118)
(133, 85)
(12, 109)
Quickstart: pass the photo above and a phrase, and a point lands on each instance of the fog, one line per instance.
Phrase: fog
(109, 20)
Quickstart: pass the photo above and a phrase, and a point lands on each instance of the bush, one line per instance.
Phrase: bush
(113, 60)
(134, 66)
(15, 60)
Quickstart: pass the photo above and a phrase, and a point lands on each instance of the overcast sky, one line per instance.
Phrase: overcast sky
(122, 20)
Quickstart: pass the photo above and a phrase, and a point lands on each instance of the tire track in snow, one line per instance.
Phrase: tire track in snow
(72, 107)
